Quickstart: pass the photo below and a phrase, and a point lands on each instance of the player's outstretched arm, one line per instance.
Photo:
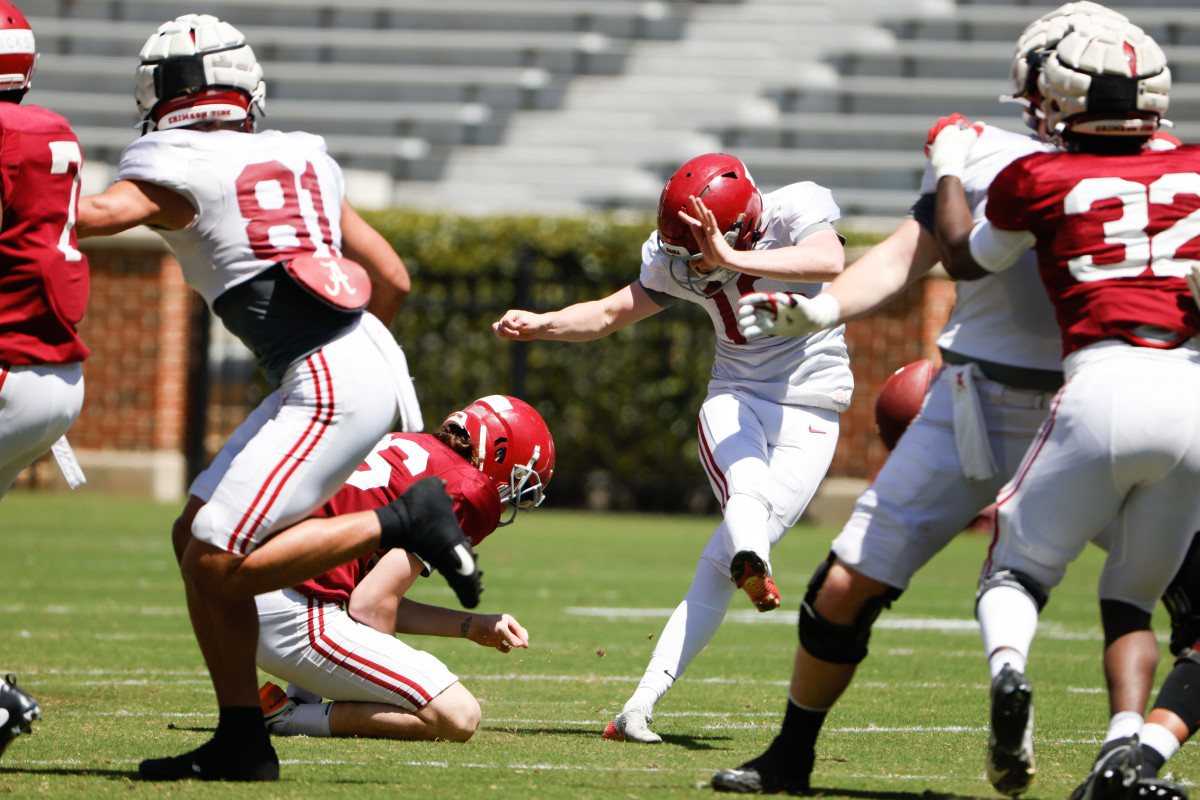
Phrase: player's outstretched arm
(390, 281)
(581, 322)
(500, 631)
(127, 204)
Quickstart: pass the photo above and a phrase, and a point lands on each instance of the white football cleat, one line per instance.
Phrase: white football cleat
(632, 725)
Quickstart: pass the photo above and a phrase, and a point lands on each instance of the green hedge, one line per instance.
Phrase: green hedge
(622, 409)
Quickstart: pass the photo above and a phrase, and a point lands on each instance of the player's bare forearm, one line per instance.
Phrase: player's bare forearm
(817, 258)
(390, 281)
(580, 322)
(127, 204)
(885, 271)
(953, 223)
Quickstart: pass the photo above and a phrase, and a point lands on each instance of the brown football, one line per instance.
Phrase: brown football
(900, 399)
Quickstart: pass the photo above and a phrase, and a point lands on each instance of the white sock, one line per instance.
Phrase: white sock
(1007, 620)
(1123, 724)
(310, 719)
(747, 526)
(302, 695)
(690, 628)
(1157, 737)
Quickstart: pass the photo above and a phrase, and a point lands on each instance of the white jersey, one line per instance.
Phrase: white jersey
(260, 199)
(1005, 318)
(809, 370)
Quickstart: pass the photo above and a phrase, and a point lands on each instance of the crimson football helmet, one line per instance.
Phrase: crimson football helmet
(1104, 79)
(18, 58)
(514, 446)
(197, 68)
(724, 184)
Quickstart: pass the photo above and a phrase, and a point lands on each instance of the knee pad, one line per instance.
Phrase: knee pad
(1014, 579)
(828, 641)
(1178, 694)
(1181, 599)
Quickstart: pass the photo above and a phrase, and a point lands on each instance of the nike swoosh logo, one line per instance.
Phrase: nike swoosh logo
(811, 429)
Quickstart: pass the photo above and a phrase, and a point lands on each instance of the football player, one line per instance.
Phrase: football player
(1001, 357)
(334, 636)
(769, 425)
(261, 229)
(1115, 229)
(43, 293)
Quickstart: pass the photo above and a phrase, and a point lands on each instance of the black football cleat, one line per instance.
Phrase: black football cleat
(17, 712)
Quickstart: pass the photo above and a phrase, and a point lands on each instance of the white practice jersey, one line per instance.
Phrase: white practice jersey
(1006, 317)
(260, 199)
(808, 370)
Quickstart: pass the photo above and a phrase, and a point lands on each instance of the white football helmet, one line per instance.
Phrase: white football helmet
(1038, 38)
(197, 68)
(1105, 80)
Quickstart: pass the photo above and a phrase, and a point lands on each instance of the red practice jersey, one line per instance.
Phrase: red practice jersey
(1115, 237)
(399, 461)
(43, 276)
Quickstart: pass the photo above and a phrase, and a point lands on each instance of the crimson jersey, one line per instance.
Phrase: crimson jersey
(43, 276)
(1115, 236)
(399, 461)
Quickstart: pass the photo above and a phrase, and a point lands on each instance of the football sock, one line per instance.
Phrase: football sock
(240, 728)
(1158, 745)
(689, 630)
(310, 719)
(1008, 619)
(302, 695)
(798, 734)
(1123, 725)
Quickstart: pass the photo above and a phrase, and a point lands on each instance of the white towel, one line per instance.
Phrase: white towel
(67, 462)
(970, 432)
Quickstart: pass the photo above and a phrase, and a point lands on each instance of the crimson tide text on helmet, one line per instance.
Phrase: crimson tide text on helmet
(727, 189)
(18, 58)
(514, 446)
(197, 68)
(1106, 80)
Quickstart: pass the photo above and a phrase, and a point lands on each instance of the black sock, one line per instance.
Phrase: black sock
(241, 728)
(799, 732)
(1152, 762)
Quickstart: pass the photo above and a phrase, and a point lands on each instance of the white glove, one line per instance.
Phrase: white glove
(1193, 282)
(949, 145)
(785, 314)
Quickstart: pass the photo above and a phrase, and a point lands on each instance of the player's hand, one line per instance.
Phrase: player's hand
(715, 249)
(949, 143)
(500, 631)
(785, 314)
(517, 324)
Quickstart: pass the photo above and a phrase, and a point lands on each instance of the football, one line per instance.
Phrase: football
(900, 399)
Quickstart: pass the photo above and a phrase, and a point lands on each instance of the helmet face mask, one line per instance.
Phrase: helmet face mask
(514, 448)
(18, 54)
(196, 69)
(725, 186)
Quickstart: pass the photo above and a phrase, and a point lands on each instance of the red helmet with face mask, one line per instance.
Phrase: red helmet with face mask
(725, 186)
(514, 446)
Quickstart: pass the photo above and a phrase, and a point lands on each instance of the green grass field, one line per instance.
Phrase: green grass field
(94, 626)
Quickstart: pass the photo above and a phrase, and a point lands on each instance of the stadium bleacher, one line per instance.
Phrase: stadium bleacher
(566, 106)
